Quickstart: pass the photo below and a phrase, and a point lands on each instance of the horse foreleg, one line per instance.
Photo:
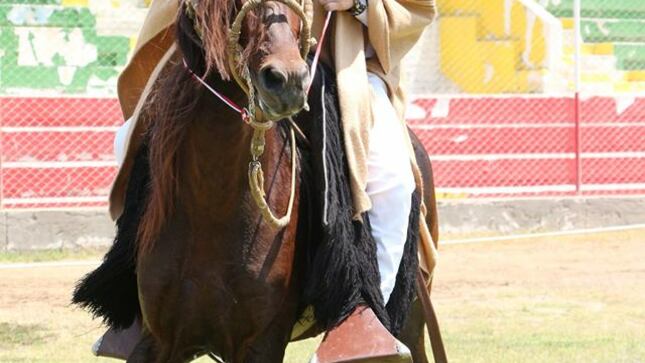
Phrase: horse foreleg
(413, 333)
(145, 350)
(270, 345)
(148, 351)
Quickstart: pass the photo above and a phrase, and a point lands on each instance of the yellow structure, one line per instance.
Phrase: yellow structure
(73, 3)
(492, 46)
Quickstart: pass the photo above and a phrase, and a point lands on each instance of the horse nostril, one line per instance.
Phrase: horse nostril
(273, 79)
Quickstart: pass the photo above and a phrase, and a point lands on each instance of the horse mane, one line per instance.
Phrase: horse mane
(165, 118)
(171, 105)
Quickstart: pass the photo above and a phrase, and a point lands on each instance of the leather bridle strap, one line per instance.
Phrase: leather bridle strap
(438, 349)
(319, 47)
(252, 116)
(233, 40)
(230, 103)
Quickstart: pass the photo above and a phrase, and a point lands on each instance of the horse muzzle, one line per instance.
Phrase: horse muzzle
(282, 90)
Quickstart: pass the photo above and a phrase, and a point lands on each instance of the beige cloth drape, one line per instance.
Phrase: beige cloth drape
(394, 26)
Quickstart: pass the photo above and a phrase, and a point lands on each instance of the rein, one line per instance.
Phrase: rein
(253, 117)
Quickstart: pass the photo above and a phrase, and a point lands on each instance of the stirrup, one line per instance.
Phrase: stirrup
(118, 344)
(361, 339)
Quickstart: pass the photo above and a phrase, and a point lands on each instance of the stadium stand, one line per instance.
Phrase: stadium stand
(469, 79)
(65, 46)
(59, 61)
(491, 46)
(614, 43)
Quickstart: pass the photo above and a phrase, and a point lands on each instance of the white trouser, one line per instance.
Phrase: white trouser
(120, 141)
(390, 182)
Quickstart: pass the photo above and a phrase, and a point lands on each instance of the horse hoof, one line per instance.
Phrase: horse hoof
(361, 339)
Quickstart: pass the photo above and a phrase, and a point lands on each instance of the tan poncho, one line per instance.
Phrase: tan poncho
(394, 26)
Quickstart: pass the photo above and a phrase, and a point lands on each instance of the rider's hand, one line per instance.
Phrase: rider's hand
(337, 5)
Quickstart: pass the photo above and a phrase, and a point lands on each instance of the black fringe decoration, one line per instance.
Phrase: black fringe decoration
(336, 254)
(110, 291)
(404, 292)
(340, 266)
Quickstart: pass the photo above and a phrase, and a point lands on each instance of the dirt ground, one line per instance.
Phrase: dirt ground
(570, 299)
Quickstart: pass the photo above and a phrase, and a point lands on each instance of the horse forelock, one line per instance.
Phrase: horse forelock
(210, 21)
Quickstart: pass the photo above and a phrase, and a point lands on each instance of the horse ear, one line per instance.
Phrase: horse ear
(189, 41)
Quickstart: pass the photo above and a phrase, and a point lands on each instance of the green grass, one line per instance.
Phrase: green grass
(525, 328)
(570, 299)
(513, 326)
(14, 335)
(51, 255)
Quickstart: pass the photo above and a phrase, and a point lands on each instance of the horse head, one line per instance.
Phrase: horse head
(272, 36)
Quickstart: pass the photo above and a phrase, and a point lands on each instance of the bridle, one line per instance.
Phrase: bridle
(252, 115)
(234, 33)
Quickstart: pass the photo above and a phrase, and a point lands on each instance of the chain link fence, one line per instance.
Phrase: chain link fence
(492, 84)
(507, 106)
(59, 63)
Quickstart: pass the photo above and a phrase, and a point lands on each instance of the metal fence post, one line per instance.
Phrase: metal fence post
(577, 77)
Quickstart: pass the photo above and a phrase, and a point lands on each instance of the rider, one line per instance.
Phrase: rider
(376, 34)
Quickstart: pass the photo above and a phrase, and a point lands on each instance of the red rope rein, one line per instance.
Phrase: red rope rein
(319, 47)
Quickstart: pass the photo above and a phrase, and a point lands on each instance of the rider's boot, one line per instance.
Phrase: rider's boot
(361, 339)
(118, 344)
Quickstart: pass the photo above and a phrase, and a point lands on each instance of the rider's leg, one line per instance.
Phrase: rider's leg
(120, 141)
(390, 184)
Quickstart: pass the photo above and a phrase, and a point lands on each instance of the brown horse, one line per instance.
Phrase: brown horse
(193, 257)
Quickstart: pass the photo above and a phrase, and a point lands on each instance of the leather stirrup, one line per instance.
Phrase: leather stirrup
(361, 338)
(438, 349)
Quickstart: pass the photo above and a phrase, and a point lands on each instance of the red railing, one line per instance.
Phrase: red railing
(57, 152)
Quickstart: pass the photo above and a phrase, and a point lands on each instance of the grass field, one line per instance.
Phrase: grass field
(570, 299)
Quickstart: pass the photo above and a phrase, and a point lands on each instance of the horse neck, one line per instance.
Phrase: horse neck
(215, 159)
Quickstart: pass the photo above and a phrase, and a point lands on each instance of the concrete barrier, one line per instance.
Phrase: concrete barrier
(75, 229)
(55, 229)
(538, 215)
